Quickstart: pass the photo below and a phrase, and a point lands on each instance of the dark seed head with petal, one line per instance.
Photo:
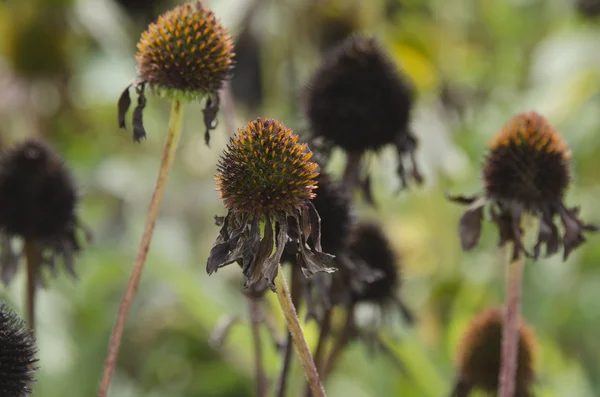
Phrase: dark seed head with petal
(186, 50)
(528, 162)
(264, 170)
(478, 356)
(37, 196)
(17, 355)
(357, 98)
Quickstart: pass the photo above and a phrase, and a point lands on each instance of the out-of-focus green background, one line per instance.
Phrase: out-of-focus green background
(474, 63)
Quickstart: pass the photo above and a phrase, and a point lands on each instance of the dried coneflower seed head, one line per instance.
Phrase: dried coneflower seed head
(370, 244)
(528, 162)
(186, 51)
(265, 171)
(186, 55)
(17, 355)
(357, 99)
(37, 194)
(478, 356)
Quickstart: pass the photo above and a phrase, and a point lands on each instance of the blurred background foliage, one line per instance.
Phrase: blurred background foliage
(474, 63)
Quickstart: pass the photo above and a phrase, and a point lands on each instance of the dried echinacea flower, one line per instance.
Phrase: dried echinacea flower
(371, 245)
(17, 355)
(266, 176)
(37, 205)
(185, 55)
(359, 101)
(526, 171)
(478, 357)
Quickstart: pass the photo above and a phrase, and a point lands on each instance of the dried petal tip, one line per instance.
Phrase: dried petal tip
(185, 55)
(527, 170)
(17, 355)
(266, 176)
(264, 170)
(478, 356)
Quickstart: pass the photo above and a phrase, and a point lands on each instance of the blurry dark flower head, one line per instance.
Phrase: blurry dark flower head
(185, 55)
(526, 171)
(17, 355)
(37, 204)
(588, 8)
(264, 177)
(478, 357)
(359, 101)
(247, 83)
(370, 245)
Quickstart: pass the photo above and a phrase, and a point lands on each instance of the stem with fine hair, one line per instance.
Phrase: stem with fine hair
(170, 149)
(288, 348)
(255, 317)
(291, 318)
(510, 329)
(33, 257)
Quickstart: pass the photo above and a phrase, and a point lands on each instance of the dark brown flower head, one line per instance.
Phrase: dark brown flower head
(371, 245)
(186, 55)
(37, 204)
(527, 170)
(588, 8)
(478, 356)
(17, 355)
(266, 176)
(359, 101)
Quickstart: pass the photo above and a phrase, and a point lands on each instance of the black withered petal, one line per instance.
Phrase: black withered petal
(210, 111)
(526, 172)
(17, 355)
(406, 145)
(139, 132)
(123, 106)
(357, 98)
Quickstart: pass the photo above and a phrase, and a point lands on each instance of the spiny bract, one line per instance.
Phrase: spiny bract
(264, 170)
(186, 50)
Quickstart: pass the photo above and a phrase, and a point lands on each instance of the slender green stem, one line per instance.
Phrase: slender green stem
(289, 312)
(288, 348)
(342, 340)
(173, 136)
(255, 317)
(510, 329)
(33, 257)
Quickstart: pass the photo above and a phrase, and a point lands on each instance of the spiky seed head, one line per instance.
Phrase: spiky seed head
(371, 245)
(357, 99)
(186, 52)
(17, 355)
(528, 162)
(264, 170)
(479, 353)
(37, 194)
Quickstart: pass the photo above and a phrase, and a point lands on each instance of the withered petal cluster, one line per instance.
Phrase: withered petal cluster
(17, 355)
(265, 177)
(37, 203)
(478, 357)
(526, 171)
(186, 54)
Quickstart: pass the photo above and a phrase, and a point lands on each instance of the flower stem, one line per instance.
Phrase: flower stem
(288, 348)
(173, 136)
(324, 326)
(261, 380)
(289, 312)
(342, 340)
(33, 257)
(510, 329)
